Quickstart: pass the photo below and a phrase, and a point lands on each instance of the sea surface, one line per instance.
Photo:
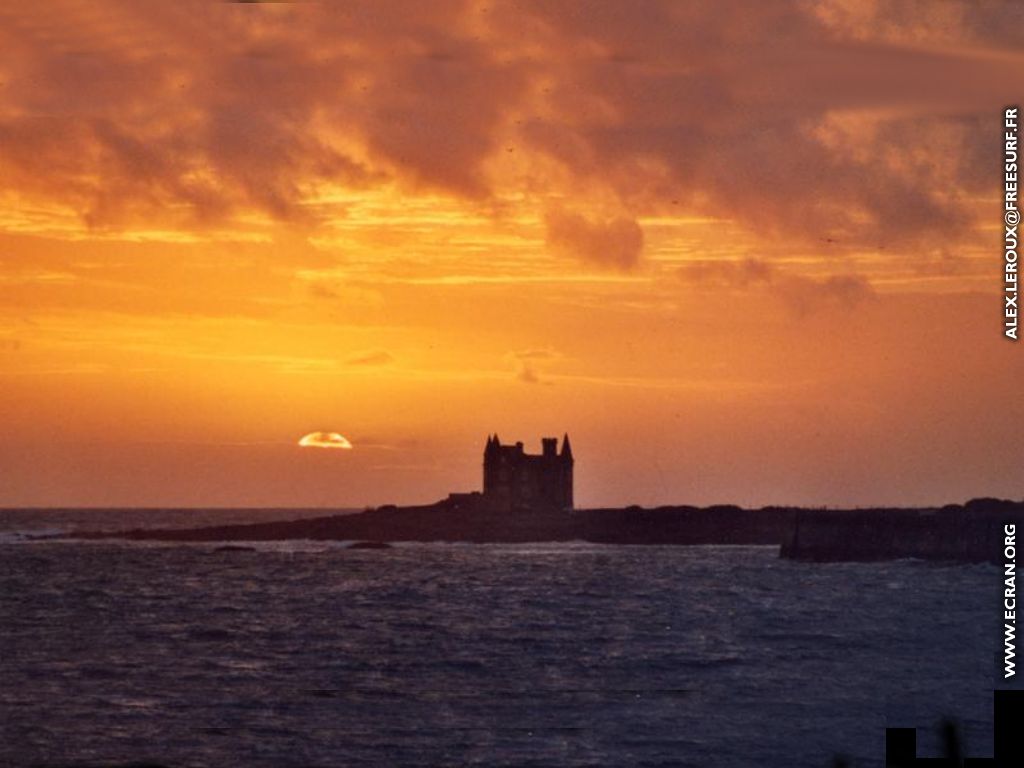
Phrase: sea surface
(309, 654)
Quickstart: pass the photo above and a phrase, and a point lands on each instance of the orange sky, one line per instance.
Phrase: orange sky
(742, 252)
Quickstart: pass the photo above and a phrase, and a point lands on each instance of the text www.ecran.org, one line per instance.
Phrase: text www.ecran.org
(1009, 597)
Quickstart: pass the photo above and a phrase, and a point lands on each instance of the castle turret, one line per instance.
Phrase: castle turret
(491, 456)
(566, 448)
(566, 474)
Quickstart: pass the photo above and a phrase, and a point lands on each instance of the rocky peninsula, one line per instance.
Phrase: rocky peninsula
(972, 532)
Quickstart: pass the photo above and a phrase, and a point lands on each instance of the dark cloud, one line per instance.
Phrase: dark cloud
(615, 243)
(770, 115)
(804, 295)
(728, 273)
(800, 119)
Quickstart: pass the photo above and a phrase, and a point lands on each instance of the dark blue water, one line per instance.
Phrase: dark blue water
(308, 654)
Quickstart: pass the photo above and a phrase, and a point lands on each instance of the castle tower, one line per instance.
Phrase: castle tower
(514, 479)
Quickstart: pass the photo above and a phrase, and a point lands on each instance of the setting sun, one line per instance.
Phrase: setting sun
(325, 440)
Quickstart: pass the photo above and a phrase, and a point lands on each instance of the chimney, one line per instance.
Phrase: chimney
(550, 446)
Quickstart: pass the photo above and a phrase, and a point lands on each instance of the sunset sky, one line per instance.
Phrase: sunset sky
(745, 252)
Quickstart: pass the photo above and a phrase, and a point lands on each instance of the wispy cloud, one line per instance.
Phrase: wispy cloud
(801, 293)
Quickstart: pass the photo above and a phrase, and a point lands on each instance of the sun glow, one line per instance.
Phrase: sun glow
(325, 440)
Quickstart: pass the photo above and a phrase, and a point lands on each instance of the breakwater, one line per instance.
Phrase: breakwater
(972, 532)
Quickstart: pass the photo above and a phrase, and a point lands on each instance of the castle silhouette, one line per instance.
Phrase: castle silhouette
(514, 479)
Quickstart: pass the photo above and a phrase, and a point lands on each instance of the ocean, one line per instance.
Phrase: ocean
(310, 654)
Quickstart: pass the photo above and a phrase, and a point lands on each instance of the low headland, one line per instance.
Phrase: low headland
(971, 532)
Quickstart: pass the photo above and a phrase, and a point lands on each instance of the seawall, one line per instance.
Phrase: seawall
(972, 532)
